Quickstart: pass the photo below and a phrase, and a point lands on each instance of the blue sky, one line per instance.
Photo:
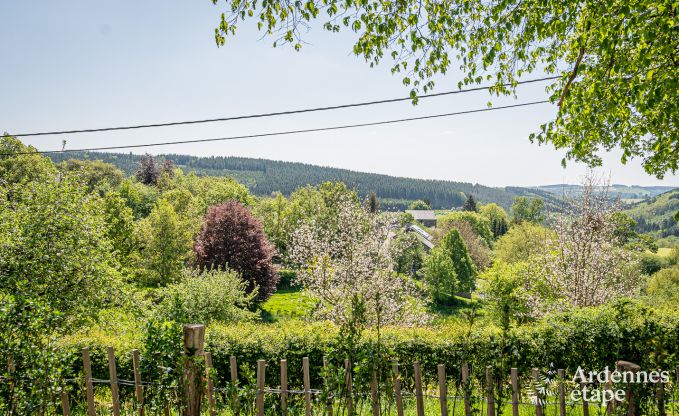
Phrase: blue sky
(81, 64)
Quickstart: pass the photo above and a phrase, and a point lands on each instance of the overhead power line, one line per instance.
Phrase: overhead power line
(277, 113)
(281, 133)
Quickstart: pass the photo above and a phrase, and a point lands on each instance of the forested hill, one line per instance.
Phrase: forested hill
(266, 176)
(656, 215)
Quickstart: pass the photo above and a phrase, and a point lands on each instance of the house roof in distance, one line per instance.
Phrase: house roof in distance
(422, 214)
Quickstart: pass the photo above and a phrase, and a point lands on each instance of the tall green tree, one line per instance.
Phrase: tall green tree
(19, 164)
(525, 209)
(274, 213)
(453, 245)
(470, 204)
(615, 62)
(95, 174)
(119, 220)
(438, 272)
(372, 204)
(165, 246)
(53, 246)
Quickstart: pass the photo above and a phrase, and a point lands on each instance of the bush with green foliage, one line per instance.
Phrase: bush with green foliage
(206, 297)
(505, 289)
(663, 287)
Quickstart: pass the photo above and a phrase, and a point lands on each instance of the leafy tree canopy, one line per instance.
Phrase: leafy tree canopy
(419, 204)
(479, 223)
(17, 167)
(616, 62)
(527, 209)
(53, 246)
(232, 238)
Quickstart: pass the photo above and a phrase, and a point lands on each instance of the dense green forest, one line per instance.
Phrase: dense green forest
(264, 177)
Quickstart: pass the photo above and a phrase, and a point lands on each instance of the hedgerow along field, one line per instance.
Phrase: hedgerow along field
(93, 259)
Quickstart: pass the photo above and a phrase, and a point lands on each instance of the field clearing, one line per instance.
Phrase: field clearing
(664, 251)
(287, 303)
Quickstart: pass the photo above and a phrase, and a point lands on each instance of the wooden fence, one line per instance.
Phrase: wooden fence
(201, 388)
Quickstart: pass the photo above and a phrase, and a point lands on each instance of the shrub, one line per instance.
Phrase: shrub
(663, 287)
(213, 295)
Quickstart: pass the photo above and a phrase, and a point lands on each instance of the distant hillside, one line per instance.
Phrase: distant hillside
(266, 176)
(656, 215)
(622, 191)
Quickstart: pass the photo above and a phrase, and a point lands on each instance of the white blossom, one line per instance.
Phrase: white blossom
(350, 260)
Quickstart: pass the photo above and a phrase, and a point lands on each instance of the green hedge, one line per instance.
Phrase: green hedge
(592, 338)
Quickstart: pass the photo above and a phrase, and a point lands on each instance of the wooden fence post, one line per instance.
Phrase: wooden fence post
(11, 367)
(210, 385)
(307, 385)
(350, 404)
(490, 391)
(610, 407)
(538, 396)
(261, 376)
(397, 389)
(113, 379)
(89, 387)
(328, 386)
(514, 378)
(443, 389)
(374, 394)
(660, 398)
(284, 387)
(629, 393)
(465, 389)
(562, 391)
(235, 399)
(585, 405)
(418, 389)
(138, 388)
(194, 343)
(65, 404)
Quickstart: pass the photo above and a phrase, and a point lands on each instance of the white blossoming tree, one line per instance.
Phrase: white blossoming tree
(347, 267)
(585, 263)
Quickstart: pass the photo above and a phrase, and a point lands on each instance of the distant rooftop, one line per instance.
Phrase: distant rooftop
(422, 214)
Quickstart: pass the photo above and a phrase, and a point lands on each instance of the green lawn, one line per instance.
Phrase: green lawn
(291, 303)
(287, 303)
(664, 251)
